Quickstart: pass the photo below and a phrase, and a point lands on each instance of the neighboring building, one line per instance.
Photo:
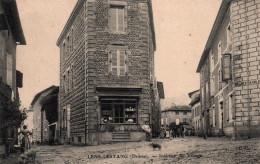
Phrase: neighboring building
(107, 71)
(29, 120)
(195, 110)
(229, 69)
(177, 115)
(45, 116)
(11, 35)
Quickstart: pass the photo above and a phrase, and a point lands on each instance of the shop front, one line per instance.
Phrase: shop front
(119, 115)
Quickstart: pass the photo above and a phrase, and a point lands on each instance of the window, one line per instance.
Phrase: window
(64, 84)
(219, 51)
(226, 67)
(118, 60)
(185, 120)
(212, 64)
(230, 106)
(119, 111)
(9, 73)
(177, 112)
(79, 139)
(219, 79)
(184, 113)
(72, 76)
(68, 44)
(116, 21)
(228, 35)
(212, 86)
(68, 80)
(64, 118)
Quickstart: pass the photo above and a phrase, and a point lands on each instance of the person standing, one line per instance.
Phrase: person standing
(25, 145)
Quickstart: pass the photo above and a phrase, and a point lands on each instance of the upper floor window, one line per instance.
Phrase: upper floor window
(219, 51)
(228, 34)
(117, 19)
(212, 64)
(118, 60)
(184, 113)
(177, 113)
(9, 73)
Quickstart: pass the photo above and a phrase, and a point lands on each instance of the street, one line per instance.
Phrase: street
(178, 150)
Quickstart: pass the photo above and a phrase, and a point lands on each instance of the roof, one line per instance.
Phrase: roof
(179, 108)
(160, 90)
(37, 96)
(76, 10)
(67, 26)
(221, 14)
(191, 93)
(13, 19)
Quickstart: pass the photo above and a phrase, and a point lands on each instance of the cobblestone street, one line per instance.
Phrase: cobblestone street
(187, 150)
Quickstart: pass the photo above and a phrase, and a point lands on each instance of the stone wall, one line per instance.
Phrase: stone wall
(245, 24)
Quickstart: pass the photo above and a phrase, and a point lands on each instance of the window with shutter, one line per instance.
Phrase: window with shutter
(219, 51)
(226, 67)
(230, 106)
(228, 34)
(116, 21)
(9, 73)
(118, 59)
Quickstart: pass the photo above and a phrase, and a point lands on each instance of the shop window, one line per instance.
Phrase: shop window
(119, 112)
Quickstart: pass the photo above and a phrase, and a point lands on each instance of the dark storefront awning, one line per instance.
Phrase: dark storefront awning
(105, 92)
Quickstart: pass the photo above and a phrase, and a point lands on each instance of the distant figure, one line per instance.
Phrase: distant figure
(25, 145)
(182, 131)
(162, 134)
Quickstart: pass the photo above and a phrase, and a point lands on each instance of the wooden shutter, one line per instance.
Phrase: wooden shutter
(122, 62)
(114, 63)
(9, 73)
(226, 67)
(110, 61)
(128, 53)
(121, 17)
(112, 21)
(233, 107)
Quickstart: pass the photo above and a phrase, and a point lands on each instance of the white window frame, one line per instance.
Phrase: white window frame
(118, 6)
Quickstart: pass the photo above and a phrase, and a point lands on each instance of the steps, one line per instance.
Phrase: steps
(121, 137)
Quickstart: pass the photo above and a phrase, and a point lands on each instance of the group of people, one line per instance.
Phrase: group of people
(177, 131)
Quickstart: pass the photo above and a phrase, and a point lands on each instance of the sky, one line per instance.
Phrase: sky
(182, 28)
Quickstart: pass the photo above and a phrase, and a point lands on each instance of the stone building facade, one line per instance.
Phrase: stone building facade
(195, 110)
(177, 115)
(229, 69)
(45, 129)
(107, 71)
(11, 35)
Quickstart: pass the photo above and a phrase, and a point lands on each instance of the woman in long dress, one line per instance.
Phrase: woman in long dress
(25, 139)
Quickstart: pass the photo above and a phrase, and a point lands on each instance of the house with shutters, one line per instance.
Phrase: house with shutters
(108, 88)
(195, 111)
(229, 72)
(11, 35)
